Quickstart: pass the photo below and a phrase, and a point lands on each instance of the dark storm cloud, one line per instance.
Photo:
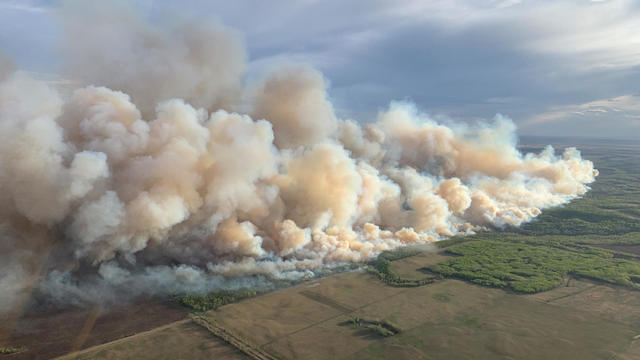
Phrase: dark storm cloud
(476, 72)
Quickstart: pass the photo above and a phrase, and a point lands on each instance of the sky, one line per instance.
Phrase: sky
(556, 68)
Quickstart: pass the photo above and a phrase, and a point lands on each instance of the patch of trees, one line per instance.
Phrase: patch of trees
(379, 327)
(215, 299)
(382, 269)
(528, 268)
(397, 254)
(606, 214)
(9, 350)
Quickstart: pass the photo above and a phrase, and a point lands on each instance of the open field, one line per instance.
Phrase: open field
(447, 319)
(52, 332)
(180, 340)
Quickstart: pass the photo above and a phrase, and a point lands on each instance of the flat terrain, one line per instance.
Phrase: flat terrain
(449, 319)
(180, 340)
(49, 333)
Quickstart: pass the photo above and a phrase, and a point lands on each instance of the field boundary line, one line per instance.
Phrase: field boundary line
(322, 299)
(74, 354)
(549, 301)
(333, 317)
(245, 347)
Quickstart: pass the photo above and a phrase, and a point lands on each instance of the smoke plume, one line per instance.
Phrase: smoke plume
(165, 172)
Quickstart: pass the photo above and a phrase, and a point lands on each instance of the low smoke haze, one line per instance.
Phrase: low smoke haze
(164, 156)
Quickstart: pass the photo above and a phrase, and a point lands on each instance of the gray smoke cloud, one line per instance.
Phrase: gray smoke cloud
(164, 172)
(7, 65)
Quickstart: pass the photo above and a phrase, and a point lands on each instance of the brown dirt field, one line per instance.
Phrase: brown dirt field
(326, 340)
(268, 317)
(406, 308)
(607, 302)
(512, 328)
(54, 332)
(179, 340)
(631, 353)
(448, 319)
(347, 288)
(435, 303)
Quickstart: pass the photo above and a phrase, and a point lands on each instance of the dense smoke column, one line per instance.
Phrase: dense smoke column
(159, 183)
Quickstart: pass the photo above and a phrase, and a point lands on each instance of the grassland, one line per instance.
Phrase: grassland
(179, 340)
(446, 319)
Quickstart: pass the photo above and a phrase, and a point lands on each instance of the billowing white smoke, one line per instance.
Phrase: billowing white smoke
(188, 195)
(200, 62)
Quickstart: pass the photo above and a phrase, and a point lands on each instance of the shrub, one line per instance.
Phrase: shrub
(213, 300)
(8, 350)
